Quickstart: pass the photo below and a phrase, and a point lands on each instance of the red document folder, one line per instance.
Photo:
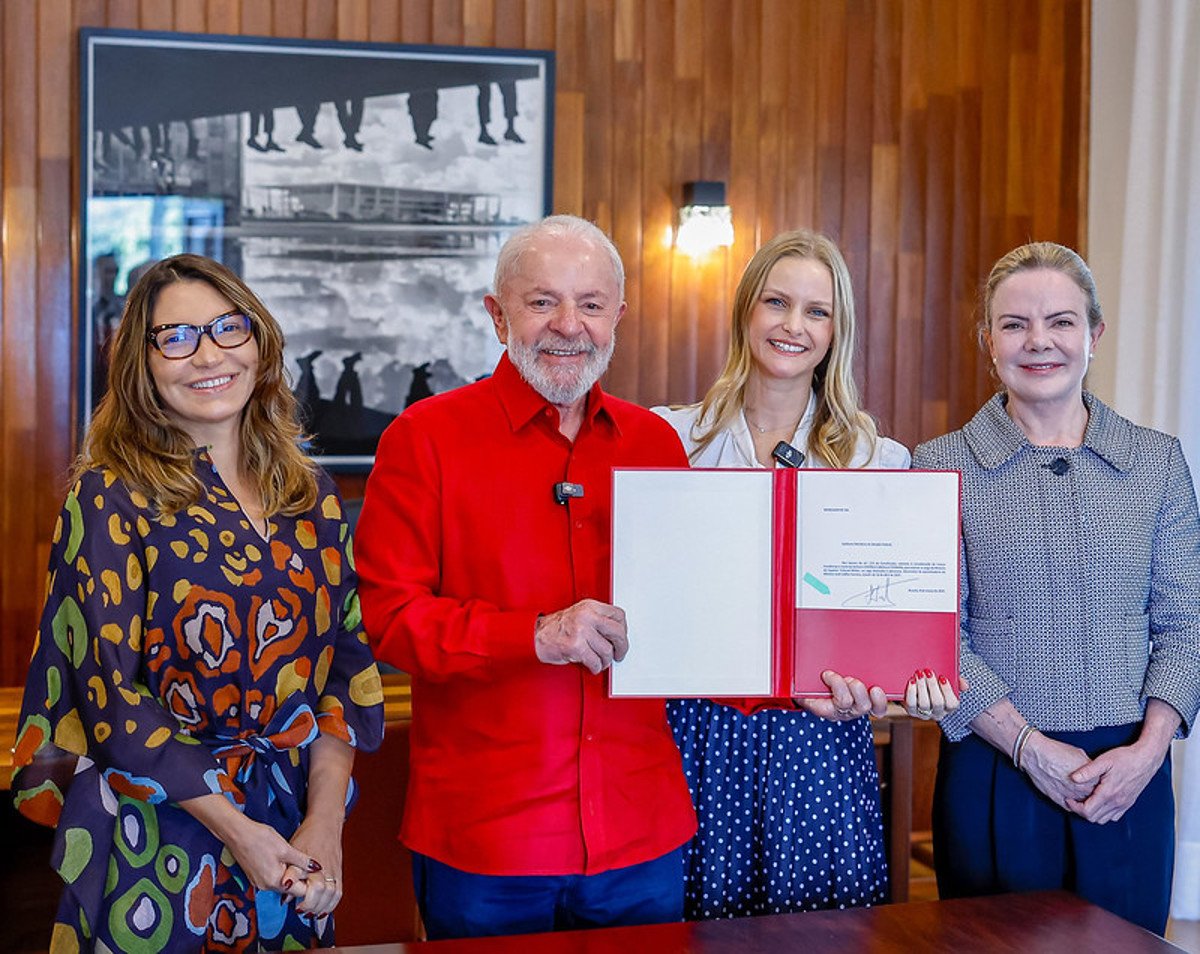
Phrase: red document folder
(709, 565)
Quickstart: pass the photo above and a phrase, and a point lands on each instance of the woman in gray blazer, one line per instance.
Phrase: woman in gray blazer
(1080, 616)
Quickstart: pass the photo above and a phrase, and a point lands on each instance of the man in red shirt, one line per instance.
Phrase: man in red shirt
(535, 801)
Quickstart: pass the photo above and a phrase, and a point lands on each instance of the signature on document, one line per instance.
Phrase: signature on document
(878, 594)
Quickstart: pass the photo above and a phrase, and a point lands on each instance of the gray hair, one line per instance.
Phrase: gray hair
(556, 226)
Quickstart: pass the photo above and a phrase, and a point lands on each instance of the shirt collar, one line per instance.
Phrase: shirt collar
(523, 404)
(1108, 434)
(995, 438)
(743, 439)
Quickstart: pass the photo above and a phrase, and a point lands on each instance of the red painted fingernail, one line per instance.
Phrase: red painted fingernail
(312, 865)
(912, 681)
(943, 680)
(928, 673)
(287, 884)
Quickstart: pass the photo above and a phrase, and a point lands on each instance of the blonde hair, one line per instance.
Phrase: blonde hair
(838, 422)
(1028, 258)
(132, 435)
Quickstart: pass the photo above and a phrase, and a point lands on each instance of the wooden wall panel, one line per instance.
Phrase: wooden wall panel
(658, 176)
(321, 18)
(384, 21)
(354, 20)
(856, 141)
(25, 522)
(51, 393)
(926, 136)
(221, 15)
(878, 309)
(122, 14)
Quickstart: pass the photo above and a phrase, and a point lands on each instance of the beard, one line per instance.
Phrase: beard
(560, 386)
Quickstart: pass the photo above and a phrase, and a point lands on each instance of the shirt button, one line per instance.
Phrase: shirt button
(589, 738)
(578, 524)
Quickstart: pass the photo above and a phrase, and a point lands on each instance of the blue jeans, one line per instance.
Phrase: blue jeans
(456, 903)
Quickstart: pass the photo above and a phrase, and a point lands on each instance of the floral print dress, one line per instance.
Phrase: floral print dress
(176, 657)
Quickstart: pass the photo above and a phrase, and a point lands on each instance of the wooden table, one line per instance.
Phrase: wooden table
(1050, 922)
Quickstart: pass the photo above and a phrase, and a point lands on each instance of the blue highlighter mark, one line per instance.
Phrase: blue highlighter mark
(816, 584)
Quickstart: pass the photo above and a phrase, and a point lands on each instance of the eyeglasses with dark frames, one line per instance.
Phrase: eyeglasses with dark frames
(178, 341)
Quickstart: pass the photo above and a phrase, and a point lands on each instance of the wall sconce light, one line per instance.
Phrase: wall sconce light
(705, 221)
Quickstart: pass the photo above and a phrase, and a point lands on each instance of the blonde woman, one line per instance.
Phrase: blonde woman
(200, 679)
(788, 801)
(1080, 623)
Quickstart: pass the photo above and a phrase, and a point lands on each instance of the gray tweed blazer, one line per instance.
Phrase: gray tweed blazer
(1081, 581)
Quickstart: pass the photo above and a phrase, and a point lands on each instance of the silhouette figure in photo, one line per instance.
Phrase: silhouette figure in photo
(193, 138)
(307, 114)
(107, 156)
(307, 391)
(423, 108)
(418, 388)
(508, 95)
(350, 114)
(104, 140)
(345, 422)
(152, 141)
(263, 120)
(349, 388)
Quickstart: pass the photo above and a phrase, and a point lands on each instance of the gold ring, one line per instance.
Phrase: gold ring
(924, 712)
(331, 880)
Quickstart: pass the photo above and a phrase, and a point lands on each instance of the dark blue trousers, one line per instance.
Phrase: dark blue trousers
(456, 903)
(994, 832)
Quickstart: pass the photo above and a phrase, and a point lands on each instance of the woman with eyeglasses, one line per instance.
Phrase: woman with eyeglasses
(200, 679)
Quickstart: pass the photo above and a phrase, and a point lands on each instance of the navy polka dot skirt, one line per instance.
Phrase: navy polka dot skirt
(789, 811)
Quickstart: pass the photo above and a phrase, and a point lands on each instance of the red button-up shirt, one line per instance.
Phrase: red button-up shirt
(518, 767)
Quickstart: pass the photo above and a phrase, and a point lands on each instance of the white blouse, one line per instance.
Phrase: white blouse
(733, 446)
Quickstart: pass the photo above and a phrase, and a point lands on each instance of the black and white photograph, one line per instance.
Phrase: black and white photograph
(363, 190)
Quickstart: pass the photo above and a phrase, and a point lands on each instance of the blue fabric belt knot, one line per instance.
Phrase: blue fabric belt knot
(263, 767)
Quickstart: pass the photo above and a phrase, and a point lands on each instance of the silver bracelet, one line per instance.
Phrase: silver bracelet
(1022, 740)
(1019, 744)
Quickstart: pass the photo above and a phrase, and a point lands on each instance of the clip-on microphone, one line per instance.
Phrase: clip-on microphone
(787, 455)
(565, 490)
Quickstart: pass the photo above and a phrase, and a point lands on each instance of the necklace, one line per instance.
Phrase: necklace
(764, 430)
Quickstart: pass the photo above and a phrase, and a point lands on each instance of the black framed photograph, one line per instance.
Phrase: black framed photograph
(361, 190)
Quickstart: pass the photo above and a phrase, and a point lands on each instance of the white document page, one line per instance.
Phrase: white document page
(692, 570)
(878, 540)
